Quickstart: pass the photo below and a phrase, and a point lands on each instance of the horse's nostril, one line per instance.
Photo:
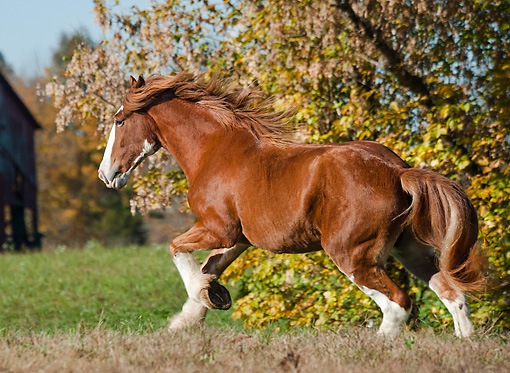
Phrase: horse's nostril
(105, 179)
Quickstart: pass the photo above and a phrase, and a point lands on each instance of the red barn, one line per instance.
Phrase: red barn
(18, 184)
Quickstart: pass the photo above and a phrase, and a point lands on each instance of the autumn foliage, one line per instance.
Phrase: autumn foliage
(429, 79)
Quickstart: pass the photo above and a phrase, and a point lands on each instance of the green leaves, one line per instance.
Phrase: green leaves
(295, 290)
(430, 80)
(356, 95)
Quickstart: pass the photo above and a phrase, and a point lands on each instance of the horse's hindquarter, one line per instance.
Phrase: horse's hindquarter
(291, 197)
(365, 202)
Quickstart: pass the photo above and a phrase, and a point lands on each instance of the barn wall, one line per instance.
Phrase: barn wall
(18, 190)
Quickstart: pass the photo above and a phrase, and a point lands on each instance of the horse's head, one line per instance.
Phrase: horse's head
(132, 139)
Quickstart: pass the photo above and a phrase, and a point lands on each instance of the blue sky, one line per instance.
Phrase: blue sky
(30, 30)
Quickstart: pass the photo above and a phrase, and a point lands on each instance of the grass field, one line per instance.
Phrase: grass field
(133, 289)
(100, 310)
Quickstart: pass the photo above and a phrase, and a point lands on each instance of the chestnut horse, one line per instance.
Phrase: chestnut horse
(248, 185)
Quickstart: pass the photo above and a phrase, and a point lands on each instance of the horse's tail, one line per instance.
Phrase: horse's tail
(441, 215)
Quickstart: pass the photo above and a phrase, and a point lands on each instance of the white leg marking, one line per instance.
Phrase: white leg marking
(394, 316)
(192, 313)
(458, 308)
(194, 280)
(194, 310)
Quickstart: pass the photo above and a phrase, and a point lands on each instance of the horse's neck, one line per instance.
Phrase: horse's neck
(187, 132)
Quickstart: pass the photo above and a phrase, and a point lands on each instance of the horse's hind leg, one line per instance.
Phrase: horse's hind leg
(193, 310)
(364, 266)
(394, 303)
(421, 260)
(455, 302)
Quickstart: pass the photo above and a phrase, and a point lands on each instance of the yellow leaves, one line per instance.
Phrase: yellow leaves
(364, 134)
(435, 310)
(300, 51)
(482, 160)
(394, 106)
(445, 111)
(302, 290)
(440, 131)
(463, 163)
(329, 296)
(465, 106)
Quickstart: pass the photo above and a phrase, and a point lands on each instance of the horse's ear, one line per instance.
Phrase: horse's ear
(137, 83)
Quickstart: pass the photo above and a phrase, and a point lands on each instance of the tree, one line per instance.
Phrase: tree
(4, 66)
(428, 78)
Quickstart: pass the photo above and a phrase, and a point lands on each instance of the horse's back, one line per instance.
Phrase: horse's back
(376, 149)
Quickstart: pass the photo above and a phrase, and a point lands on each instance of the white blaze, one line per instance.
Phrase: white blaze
(108, 171)
(106, 164)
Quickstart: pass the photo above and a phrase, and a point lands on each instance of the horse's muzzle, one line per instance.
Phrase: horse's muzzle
(117, 182)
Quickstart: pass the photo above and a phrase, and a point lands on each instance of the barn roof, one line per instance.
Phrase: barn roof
(10, 91)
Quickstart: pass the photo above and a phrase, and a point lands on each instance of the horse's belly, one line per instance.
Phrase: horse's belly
(298, 249)
(280, 239)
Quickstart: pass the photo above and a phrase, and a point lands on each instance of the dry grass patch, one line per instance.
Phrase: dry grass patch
(215, 350)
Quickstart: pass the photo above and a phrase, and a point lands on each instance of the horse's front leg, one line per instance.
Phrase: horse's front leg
(201, 286)
(194, 311)
(200, 282)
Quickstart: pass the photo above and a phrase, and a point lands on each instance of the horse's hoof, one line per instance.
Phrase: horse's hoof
(219, 297)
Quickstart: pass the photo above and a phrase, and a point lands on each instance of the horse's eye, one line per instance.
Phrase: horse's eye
(119, 123)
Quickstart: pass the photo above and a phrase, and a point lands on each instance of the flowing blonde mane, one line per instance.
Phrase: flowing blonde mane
(231, 106)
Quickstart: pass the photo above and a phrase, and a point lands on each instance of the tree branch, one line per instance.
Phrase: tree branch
(394, 61)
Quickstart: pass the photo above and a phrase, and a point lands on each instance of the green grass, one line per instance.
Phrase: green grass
(132, 289)
(100, 309)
